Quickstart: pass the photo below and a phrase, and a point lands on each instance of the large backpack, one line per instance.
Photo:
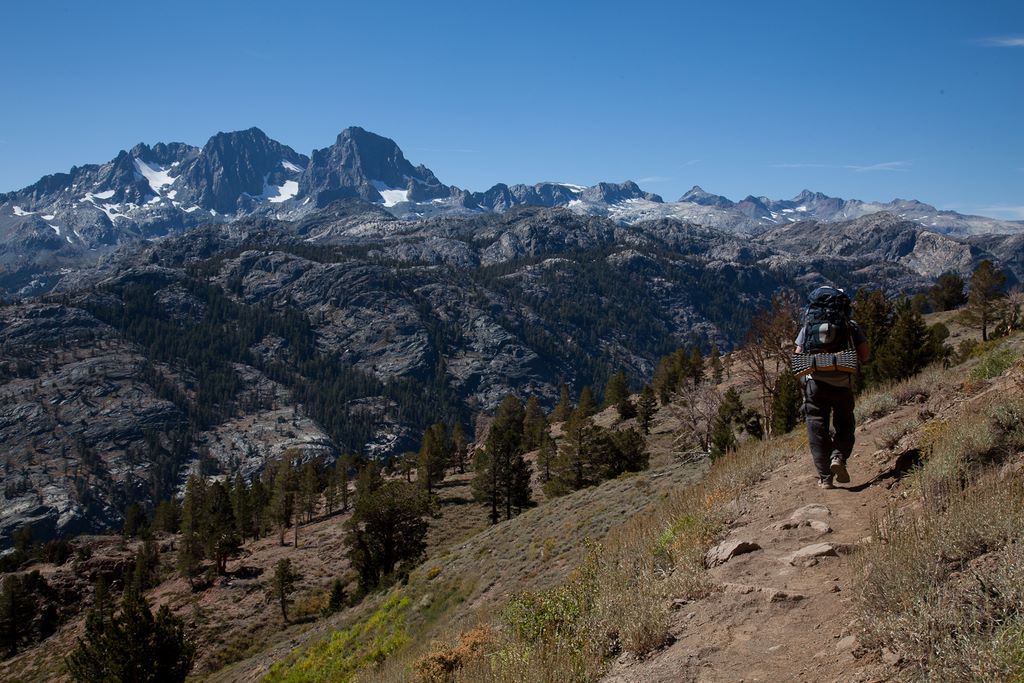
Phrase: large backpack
(826, 321)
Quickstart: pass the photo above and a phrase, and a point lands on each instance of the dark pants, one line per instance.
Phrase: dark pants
(822, 400)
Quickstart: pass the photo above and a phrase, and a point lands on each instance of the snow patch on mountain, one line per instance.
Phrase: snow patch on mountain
(275, 194)
(18, 211)
(156, 175)
(390, 195)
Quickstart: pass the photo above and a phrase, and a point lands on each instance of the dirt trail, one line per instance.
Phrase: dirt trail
(776, 617)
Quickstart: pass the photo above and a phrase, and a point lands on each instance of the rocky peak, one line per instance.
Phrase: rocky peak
(363, 164)
(610, 193)
(234, 164)
(808, 196)
(697, 195)
(164, 154)
(753, 207)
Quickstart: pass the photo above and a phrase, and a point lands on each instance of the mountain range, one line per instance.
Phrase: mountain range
(187, 310)
(68, 219)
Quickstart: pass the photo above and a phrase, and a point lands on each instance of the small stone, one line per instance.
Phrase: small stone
(784, 596)
(847, 644)
(809, 553)
(819, 526)
(814, 510)
(890, 657)
(725, 551)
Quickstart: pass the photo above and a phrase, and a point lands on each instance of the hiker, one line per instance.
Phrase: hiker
(829, 383)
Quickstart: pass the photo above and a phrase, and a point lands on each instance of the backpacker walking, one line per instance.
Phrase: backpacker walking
(829, 348)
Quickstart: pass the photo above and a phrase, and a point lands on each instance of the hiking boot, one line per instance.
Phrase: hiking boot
(825, 483)
(839, 471)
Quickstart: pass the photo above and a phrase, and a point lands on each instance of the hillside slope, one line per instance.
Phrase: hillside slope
(800, 606)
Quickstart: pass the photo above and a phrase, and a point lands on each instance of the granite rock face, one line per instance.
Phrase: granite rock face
(235, 170)
(362, 164)
(452, 312)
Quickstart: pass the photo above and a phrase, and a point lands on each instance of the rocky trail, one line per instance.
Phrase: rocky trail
(782, 606)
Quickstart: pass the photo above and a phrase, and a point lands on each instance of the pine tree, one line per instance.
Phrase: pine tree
(586, 405)
(336, 599)
(369, 480)
(282, 584)
(331, 488)
(948, 292)
(874, 313)
(433, 456)
(984, 296)
(495, 478)
(240, 503)
(13, 609)
(731, 412)
(131, 645)
(564, 406)
(282, 501)
(908, 349)
(309, 490)
(519, 489)
(575, 457)
(147, 564)
(486, 481)
(259, 498)
(723, 437)
(665, 380)
(343, 465)
(545, 457)
(646, 407)
(535, 425)
(786, 404)
(696, 365)
(616, 391)
(460, 449)
(405, 464)
(715, 360)
(167, 517)
(220, 537)
(624, 451)
(193, 523)
(134, 521)
(387, 531)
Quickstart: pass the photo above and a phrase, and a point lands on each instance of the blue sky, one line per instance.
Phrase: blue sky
(872, 100)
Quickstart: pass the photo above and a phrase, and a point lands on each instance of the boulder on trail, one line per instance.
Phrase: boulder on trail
(809, 554)
(726, 550)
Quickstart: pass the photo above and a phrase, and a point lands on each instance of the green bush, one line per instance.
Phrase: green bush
(993, 362)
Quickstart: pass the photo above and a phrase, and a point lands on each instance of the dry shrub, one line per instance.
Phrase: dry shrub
(945, 584)
(957, 448)
(875, 405)
(891, 437)
(441, 664)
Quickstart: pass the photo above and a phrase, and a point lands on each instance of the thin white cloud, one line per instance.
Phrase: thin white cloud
(691, 162)
(858, 168)
(1003, 41)
(654, 179)
(884, 166)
